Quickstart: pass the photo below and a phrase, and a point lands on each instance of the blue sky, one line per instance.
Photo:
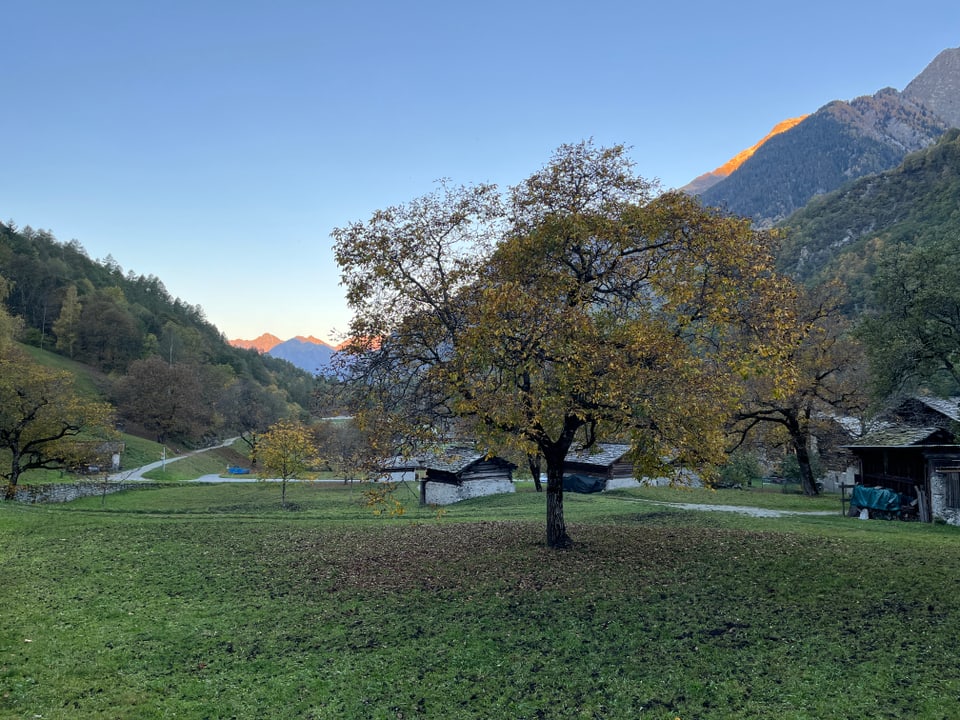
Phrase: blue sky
(216, 144)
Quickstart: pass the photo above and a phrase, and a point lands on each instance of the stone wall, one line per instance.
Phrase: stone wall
(619, 483)
(938, 501)
(439, 493)
(65, 492)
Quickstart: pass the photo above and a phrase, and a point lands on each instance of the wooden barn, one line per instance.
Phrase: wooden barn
(915, 453)
(461, 473)
(605, 466)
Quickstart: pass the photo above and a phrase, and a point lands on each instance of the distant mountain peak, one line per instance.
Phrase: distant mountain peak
(305, 351)
(265, 343)
(938, 86)
(268, 341)
(701, 183)
(313, 340)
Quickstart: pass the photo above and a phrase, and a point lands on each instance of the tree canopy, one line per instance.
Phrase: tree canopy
(912, 326)
(579, 307)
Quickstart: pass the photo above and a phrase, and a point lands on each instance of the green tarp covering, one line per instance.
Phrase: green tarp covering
(876, 498)
(583, 483)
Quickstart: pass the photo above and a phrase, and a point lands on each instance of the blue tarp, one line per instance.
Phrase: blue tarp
(237, 470)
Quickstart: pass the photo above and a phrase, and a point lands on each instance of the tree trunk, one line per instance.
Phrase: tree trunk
(557, 537)
(11, 491)
(807, 481)
(533, 461)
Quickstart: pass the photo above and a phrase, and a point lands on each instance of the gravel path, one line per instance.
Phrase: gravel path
(742, 509)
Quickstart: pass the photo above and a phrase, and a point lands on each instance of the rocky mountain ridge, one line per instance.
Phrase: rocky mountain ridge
(264, 343)
(938, 86)
(840, 142)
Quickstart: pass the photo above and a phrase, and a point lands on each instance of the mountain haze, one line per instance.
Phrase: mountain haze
(840, 142)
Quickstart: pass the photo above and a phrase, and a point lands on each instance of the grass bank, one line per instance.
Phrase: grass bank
(212, 602)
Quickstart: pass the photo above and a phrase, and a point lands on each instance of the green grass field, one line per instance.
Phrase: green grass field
(212, 602)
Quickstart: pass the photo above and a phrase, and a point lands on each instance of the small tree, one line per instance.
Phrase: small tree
(348, 450)
(742, 468)
(287, 450)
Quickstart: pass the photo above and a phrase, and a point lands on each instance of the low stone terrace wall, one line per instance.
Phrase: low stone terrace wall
(65, 492)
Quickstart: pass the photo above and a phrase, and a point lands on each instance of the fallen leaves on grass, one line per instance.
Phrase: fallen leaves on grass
(510, 556)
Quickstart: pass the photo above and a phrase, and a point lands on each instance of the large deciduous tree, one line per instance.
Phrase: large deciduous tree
(41, 418)
(171, 400)
(828, 381)
(583, 307)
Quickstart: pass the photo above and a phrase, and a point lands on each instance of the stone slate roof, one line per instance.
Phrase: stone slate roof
(401, 463)
(950, 407)
(601, 454)
(902, 436)
(453, 460)
(457, 459)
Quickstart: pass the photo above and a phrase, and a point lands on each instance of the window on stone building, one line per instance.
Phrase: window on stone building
(951, 486)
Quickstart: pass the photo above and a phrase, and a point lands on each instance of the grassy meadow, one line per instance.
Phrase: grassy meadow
(210, 601)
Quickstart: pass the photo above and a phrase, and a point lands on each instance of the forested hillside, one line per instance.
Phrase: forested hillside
(170, 372)
(849, 232)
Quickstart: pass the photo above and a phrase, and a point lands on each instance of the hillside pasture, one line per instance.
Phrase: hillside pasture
(209, 601)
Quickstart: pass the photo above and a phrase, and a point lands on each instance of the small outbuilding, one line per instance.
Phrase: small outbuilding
(604, 466)
(915, 454)
(608, 466)
(461, 473)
